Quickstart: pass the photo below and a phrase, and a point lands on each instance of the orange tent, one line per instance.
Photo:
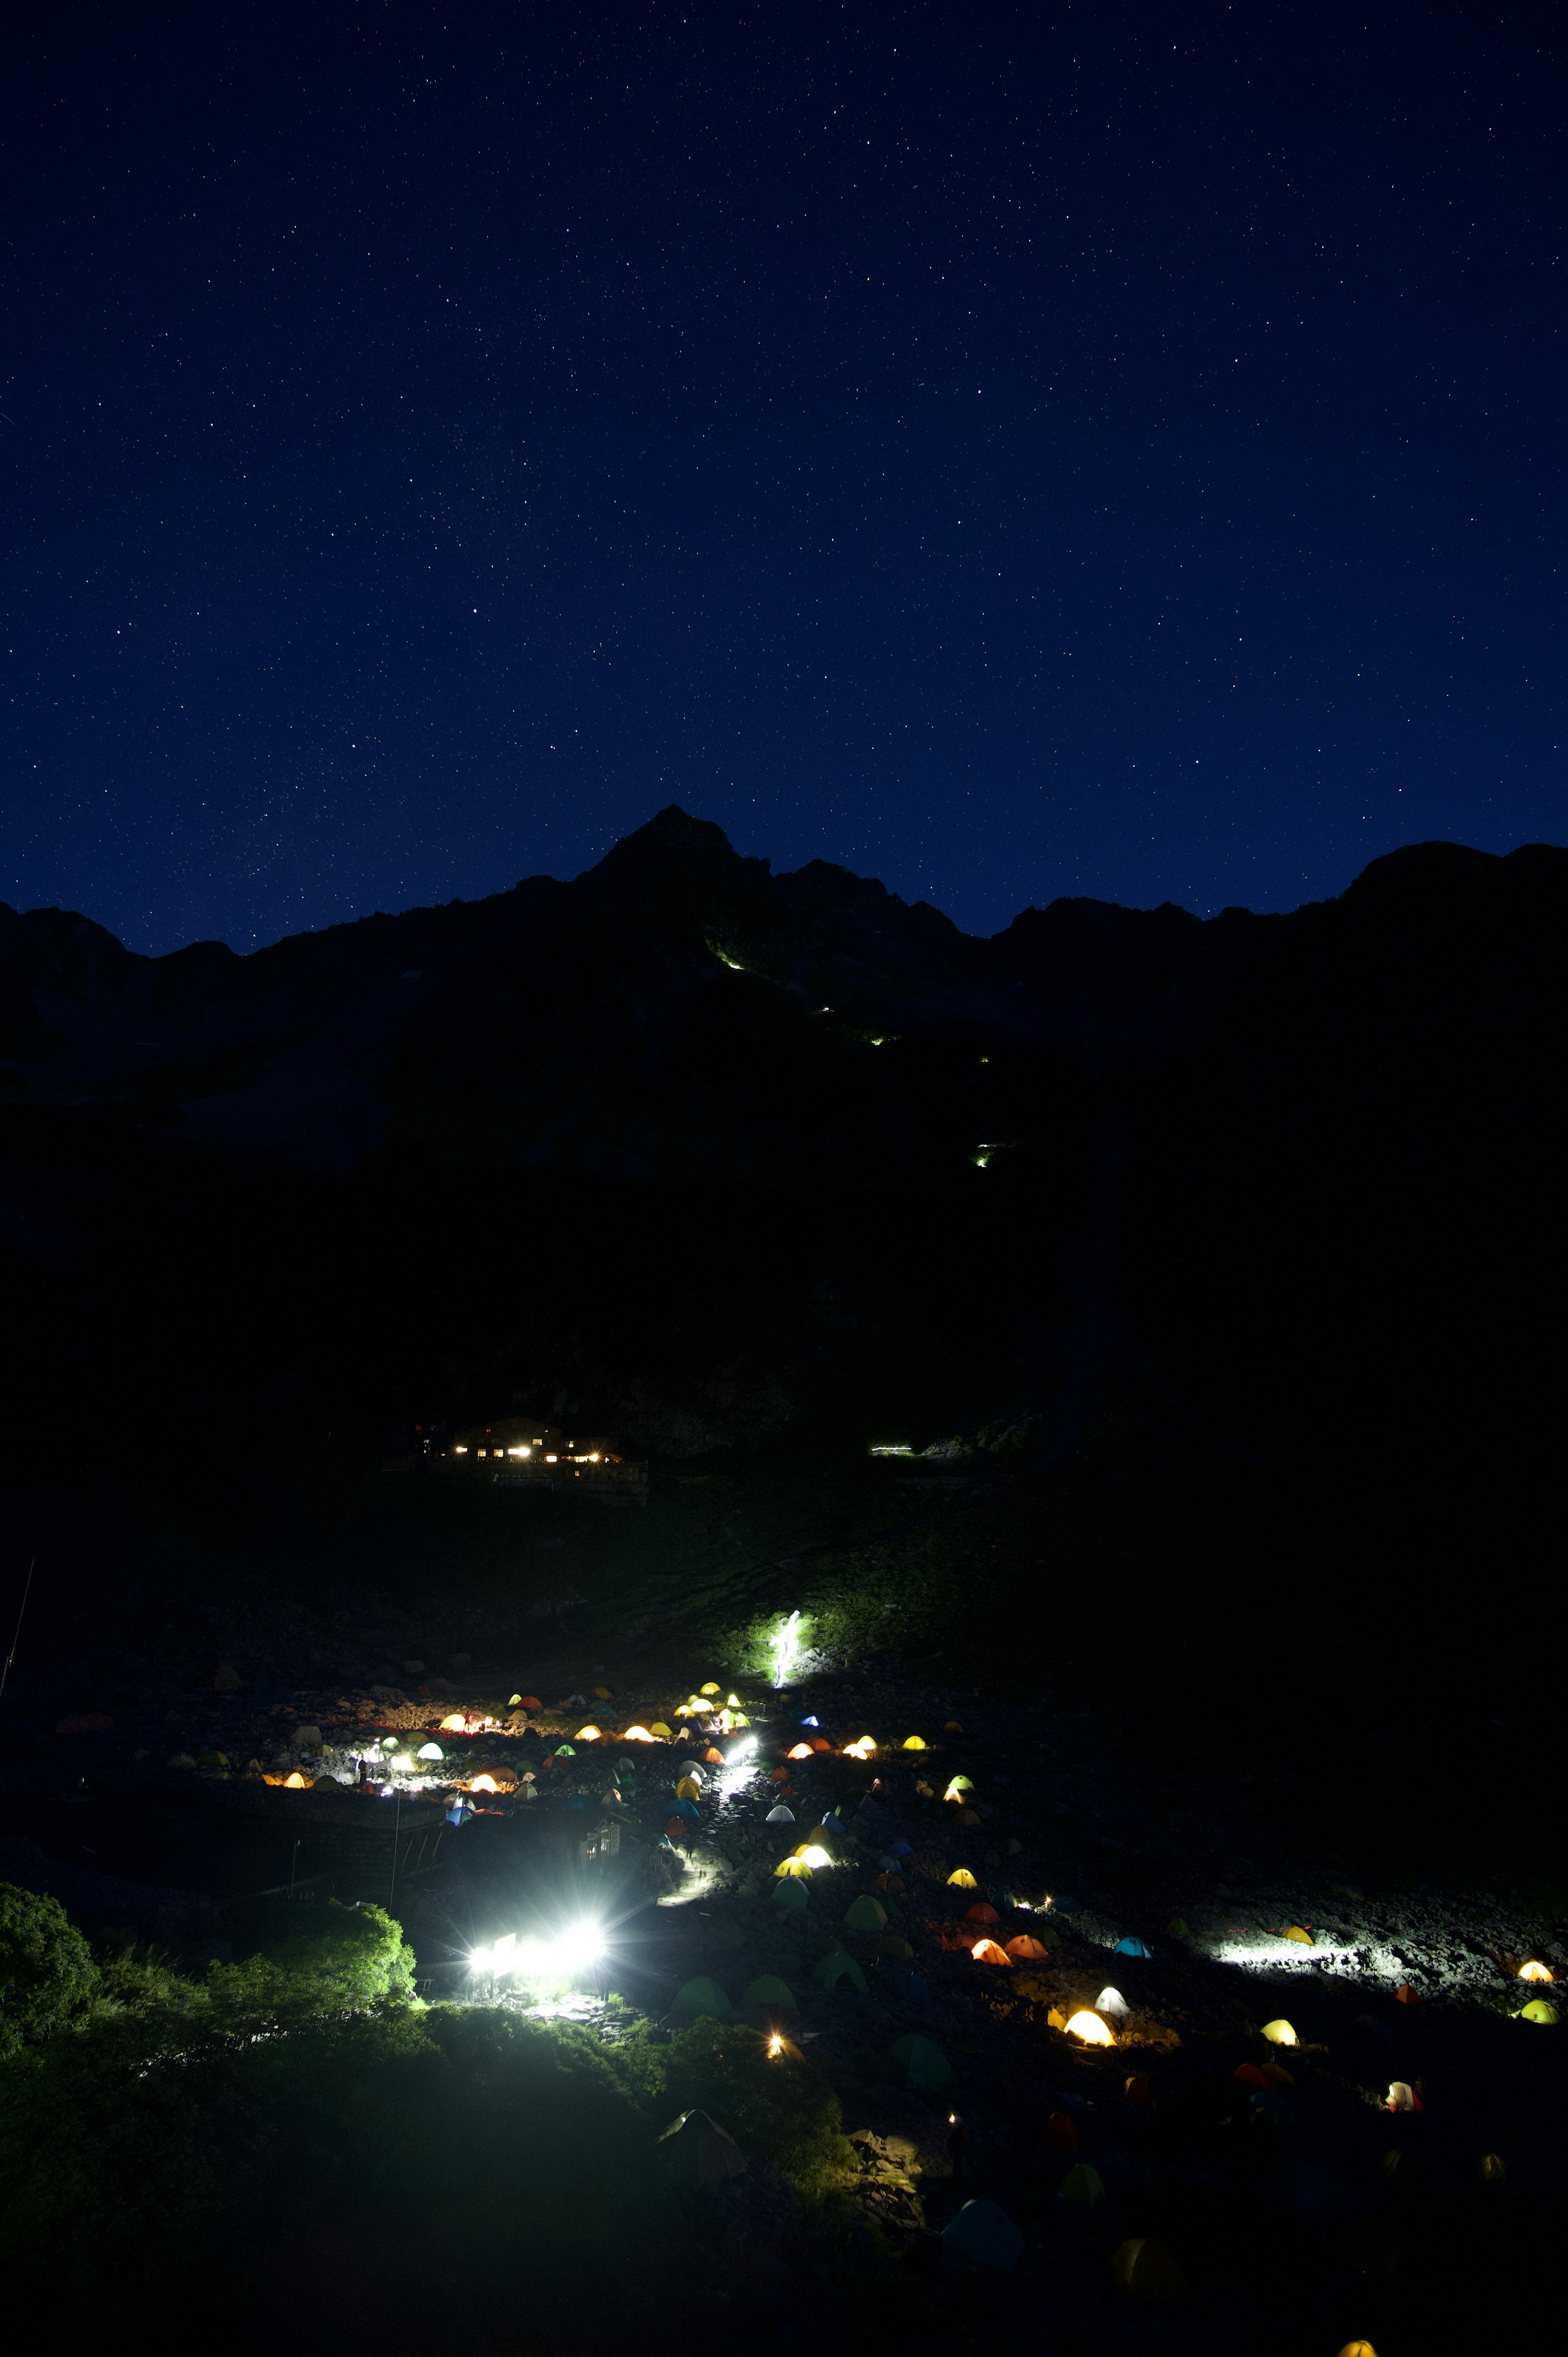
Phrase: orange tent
(986, 1952)
(677, 1829)
(1061, 2134)
(1026, 1950)
(981, 1914)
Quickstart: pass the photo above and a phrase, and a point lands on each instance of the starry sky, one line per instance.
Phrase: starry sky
(1010, 451)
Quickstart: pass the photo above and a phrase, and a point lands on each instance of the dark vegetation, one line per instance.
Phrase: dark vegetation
(290, 2135)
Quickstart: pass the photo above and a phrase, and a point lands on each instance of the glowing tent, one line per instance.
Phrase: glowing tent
(700, 1996)
(795, 1868)
(986, 1952)
(1027, 1951)
(914, 1743)
(961, 1879)
(1089, 2028)
(982, 2235)
(921, 2062)
(1111, 2001)
(1279, 2033)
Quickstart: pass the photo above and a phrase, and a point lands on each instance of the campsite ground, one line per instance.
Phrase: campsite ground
(1164, 1735)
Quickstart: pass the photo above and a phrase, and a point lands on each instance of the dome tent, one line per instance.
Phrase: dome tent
(790, 1898)
(836, 1967)
(1145, 2271)
(865, 1914)
(982, 2235)
(700, 1996)
(769, 1989)
(921, 2062)
(696, 2151)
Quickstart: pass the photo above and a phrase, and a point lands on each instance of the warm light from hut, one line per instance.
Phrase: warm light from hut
(1090, 2028)
(775, 2046)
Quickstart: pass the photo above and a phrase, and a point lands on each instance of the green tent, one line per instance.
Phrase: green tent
(1083, 2184)
(1013, 1846)
(893, 1946)
(982, 2235)
(769, 1989)
(865, 1914)
(696, 2151)
(790, 1896)
(700, 1996)
(922, 2062)
(839, 1967)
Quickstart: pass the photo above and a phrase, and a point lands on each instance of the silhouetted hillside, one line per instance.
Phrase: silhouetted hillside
(719, 1159)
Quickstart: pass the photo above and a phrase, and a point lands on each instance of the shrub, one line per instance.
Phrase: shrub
(46, 1972)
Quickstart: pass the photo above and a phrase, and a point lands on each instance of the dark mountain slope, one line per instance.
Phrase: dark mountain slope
(692, 1146)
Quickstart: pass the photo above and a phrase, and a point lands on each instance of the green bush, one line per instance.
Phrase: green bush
(47, 1972)
(344, 1957)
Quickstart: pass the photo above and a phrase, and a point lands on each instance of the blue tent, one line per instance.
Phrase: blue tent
(982, 2235)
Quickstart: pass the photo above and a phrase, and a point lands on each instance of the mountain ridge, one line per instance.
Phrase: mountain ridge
(330, 1048)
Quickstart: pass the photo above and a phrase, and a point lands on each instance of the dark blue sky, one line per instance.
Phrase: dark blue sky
(1011, 452)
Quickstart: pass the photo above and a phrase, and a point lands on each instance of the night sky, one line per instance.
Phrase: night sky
(1011, 452)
